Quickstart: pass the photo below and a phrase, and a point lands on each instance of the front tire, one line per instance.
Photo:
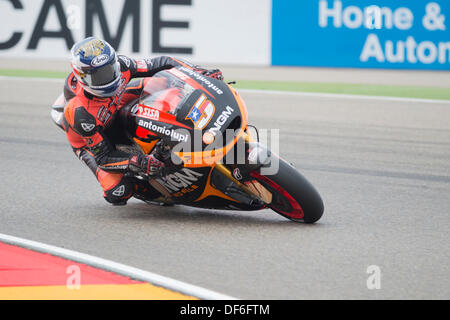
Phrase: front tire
(293, 196)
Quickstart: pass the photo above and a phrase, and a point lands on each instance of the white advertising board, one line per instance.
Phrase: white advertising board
(206, 31)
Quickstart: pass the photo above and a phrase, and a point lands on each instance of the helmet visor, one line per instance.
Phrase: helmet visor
(102, 76)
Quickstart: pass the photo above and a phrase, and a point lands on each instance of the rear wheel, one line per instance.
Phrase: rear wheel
(292, 195)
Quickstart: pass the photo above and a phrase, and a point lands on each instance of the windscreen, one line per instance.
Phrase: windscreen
(165, 92)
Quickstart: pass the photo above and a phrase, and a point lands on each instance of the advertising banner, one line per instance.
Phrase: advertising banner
(206, 31)
(412, 34)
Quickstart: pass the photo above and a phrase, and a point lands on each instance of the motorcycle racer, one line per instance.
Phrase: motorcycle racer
(96, 90)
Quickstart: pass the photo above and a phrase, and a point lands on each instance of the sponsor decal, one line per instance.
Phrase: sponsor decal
(177, 73)
(107, 117)
(120, 191)
(185, 178)
(122, 87)
(119, 94)
(141, 66)
(148, 113)
(104, 114)
(125, 60)
(177, 136)
(203, 79)
(73, 83)
(201, 112)
(253, 155)
(92, 48)
(134, 110)
(182, 192)
(101, 112)
(237, 174)
(149, 62)
(88, 127)
(221, 120)
(100, 60)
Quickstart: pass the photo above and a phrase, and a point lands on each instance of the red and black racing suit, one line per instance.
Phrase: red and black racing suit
(86, 118)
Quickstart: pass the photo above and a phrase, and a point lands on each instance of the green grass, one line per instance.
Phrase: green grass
(347, 88)
(337, 88)
(33, 73)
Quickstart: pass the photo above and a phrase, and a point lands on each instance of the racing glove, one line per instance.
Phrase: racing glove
(214, 73)
(146, 164)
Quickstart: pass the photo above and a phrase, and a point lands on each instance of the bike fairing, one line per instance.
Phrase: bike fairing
(211, 184)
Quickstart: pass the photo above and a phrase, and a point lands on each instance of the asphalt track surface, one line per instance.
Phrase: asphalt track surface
(382, 168)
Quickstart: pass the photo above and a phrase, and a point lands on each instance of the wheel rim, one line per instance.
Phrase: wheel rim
(294, 211)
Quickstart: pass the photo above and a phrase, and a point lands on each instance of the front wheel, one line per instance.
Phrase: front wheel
(292, 195)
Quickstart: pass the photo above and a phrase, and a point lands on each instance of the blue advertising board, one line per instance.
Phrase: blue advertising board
(412, 34)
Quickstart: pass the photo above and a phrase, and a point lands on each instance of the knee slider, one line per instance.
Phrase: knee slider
(120, 193)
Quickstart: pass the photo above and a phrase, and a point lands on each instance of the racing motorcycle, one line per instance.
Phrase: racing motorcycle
(213, 157)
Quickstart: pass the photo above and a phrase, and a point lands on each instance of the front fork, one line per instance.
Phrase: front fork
(236, 182)
(256, 156)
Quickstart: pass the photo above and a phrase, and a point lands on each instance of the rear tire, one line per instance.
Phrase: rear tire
(293, 196)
